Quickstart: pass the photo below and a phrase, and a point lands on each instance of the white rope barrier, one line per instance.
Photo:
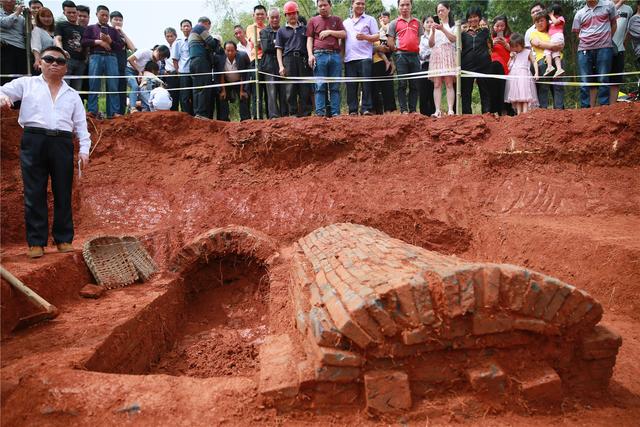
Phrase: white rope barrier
(277, 79)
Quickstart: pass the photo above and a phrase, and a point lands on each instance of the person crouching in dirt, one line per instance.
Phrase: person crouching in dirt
(152, 89)
(51, 110)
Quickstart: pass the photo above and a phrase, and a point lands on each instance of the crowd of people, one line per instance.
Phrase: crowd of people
(372, 51)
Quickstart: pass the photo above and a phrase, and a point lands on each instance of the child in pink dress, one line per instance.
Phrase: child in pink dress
(520, 90)
(556, 32)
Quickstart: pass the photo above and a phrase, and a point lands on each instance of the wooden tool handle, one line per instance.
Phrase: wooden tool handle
(34, 297)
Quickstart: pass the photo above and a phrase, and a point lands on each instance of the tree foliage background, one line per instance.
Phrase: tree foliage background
(516, 11)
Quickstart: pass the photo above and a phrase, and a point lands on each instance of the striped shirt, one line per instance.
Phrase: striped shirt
(593, 25)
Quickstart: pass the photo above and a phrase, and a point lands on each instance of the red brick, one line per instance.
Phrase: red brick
(92, 291)
(467, 290)
(387, 391)
(322, 327)
(456, 327)
(489, 377)
(417, 336)
(278, 368)
(573, 301)
(334, 357)
(344, 323)
(487, 283)
(513, 285)
(535, 325)
(541, 384)
(491, 323)
(556, 302)
(356, 307)
(593, 317)
(600, 343)
(336, 374)
(376, 309)
(549, 288)
(581, 310)
(422, 298)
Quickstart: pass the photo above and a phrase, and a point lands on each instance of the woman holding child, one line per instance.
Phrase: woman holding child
(541, 41)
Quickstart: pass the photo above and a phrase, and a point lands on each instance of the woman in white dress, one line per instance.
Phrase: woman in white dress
(442, 40)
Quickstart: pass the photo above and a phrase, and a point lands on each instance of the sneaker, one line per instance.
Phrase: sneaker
(367, 113)
(35, 251)
(437, 114)
(549, 71)
(65, 247)
(559, 73)
(199, 117)
(353, 114)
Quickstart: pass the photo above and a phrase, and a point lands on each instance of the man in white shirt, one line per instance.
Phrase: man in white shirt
(233, 63)
(243, 44)
(51, 110)
(170, 70)
(180, 58)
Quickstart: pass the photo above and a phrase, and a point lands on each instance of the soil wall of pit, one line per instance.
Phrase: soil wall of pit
(496, 189)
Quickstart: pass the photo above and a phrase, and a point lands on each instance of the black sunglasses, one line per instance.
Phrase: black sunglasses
(50, 60)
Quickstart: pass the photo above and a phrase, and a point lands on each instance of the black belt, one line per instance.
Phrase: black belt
(303, 54)
(406, 52)
(325, 51)
(48, 132)
(101, 52)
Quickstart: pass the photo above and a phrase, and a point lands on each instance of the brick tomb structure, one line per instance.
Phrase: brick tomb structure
(381, 322)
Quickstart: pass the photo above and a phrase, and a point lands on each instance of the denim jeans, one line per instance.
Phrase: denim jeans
(359, 68)
(136, 92)
(407, 63)
(328, 65)
(103, 65)
(594, 61)
(543, 90)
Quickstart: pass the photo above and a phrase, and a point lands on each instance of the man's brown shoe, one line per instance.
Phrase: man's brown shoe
(35, 251)
(64, 247)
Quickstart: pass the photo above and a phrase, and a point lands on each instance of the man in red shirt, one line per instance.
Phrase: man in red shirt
(403, 37)
(324, 32)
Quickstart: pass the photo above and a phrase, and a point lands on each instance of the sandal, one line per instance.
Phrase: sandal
(437, 114)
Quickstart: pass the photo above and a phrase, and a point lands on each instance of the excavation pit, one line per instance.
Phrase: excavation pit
(562, 203)
(226, 319)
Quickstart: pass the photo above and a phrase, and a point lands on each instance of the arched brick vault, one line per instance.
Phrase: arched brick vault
(355, 284)
(218, 242)
(378, 320)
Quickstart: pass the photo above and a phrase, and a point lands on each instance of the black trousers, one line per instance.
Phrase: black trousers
(483, 86)
(298, 94)
(384, 98)
(427, 105)
(173, 82)
(496, 89)
(202, 97)
(186, 95)
(122, 83)
(260, 97)
(13, 60)
(42, 156)
(233, 94)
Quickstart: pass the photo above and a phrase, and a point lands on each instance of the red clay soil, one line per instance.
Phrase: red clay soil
(557, 192)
